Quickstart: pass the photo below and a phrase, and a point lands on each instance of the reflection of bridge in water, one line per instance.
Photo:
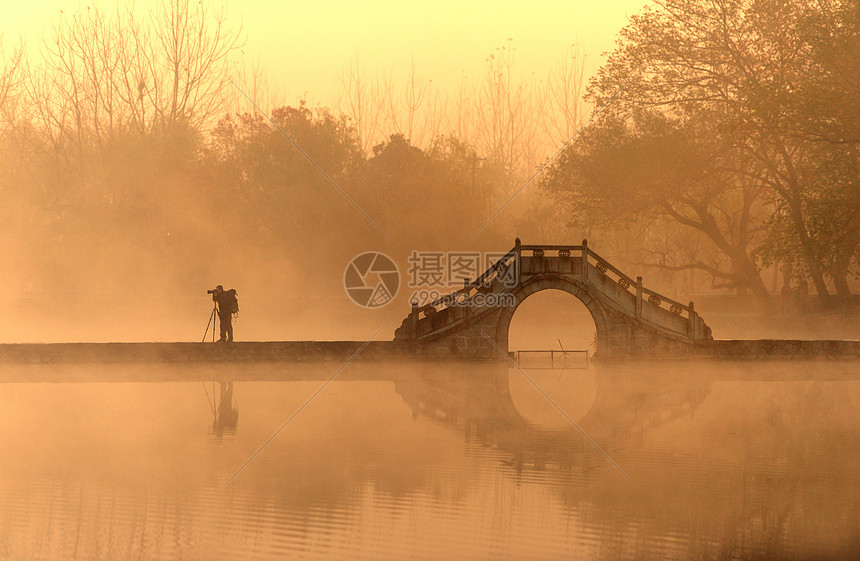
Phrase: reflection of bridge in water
(739, 477)
(483, 409)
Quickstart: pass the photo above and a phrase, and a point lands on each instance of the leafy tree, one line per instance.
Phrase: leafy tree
(654, 169)
(430, 199)
(279, 193)
(747, 64)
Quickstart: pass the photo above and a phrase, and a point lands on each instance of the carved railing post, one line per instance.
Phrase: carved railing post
(693, 322)
(519, 261)
(638, 297)
(466, 302)
(585, 260)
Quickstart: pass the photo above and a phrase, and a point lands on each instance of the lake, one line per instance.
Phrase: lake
(654, 460)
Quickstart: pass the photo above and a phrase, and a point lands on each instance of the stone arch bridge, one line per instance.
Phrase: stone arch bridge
(631, 320)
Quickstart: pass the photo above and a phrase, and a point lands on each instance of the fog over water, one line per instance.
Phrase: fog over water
(430, 461)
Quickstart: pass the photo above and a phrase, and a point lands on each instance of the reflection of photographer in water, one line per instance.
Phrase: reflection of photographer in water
(226, 415)
(228, 305)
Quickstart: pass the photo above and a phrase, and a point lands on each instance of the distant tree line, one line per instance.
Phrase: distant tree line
(130, 157)
(726, 142)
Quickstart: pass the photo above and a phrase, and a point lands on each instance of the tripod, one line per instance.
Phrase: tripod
(211, 322)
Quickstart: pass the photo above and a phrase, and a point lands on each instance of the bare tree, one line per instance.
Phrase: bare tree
(191, 70)
(363, 102)
(255, 82)
(11, 151)
(416, 111)
(565, 86)
(462, 120)
(504, 107)
(102, 73)
(415, 94)
(11, 65)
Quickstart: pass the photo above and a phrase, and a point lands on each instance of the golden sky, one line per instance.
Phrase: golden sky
(305, 45)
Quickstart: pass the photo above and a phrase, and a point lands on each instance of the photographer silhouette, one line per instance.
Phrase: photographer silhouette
(227, 305)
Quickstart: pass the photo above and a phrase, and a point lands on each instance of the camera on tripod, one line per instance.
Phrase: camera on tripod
(210, 292)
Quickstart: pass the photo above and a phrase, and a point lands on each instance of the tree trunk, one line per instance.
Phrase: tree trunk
(753, 278)
(807, 250)
(741, 262)
(844, 255)
(793, 196)
(843, 291)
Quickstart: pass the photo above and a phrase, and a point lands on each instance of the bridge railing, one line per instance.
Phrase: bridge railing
(557, 359)
(656, 299)
(627, 283)
(572, 250)
(483, 281)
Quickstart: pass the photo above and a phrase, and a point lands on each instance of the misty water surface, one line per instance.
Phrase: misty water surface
(725, 460)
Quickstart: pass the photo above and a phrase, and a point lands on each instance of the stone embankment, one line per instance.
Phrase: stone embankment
(245, 351)
(341, 351)
(784, 349)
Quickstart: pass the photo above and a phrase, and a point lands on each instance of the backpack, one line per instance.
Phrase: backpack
(233, 301)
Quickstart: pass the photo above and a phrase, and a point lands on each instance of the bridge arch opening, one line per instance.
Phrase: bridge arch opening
(552, 319)
(580, 294)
